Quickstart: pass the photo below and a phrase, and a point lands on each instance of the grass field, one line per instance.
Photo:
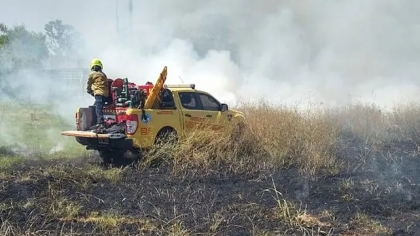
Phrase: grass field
(347, 171)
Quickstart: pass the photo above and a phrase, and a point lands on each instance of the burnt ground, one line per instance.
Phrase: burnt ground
(377, 192)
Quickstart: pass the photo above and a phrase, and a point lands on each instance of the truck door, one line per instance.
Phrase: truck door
(192, 113)
(212, 110)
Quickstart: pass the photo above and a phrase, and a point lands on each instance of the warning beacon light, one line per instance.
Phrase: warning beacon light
(191, 86)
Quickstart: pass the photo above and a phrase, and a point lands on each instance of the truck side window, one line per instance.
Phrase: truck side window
(209, 103)
(167, 100)
(189, 101)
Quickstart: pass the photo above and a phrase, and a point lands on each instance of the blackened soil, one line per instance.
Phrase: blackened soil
(374, 195)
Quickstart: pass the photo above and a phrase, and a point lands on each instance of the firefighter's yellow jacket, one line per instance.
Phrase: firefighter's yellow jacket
(98, 80)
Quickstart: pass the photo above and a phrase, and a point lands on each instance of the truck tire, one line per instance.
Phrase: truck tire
(120, 157)
(166, 135)
(238, 132)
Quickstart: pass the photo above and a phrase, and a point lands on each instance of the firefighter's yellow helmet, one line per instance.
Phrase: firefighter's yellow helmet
(96, 62)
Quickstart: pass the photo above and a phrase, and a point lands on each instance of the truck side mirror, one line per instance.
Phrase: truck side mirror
(224, 107)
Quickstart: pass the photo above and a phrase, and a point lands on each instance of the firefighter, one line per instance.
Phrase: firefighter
(98, 80)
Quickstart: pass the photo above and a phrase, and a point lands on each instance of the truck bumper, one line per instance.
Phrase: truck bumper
(106, 143)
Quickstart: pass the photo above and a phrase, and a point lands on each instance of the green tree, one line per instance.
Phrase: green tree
(3, 34)
(25, 48)
(65, 44)
(61, 38)
(20, 49)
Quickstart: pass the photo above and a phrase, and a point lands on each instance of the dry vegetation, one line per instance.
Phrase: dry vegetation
(347, 171)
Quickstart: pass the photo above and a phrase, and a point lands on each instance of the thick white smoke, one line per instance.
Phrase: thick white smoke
(328, 51)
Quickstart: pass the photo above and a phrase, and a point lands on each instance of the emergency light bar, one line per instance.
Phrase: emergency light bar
(192, 86)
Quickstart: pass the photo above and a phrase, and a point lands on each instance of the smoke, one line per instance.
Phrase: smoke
(333, 52)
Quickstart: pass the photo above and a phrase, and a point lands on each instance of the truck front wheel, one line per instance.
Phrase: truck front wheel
(238, 132)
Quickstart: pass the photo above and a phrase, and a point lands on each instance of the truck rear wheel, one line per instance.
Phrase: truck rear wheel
(120, 157)
(166, 135)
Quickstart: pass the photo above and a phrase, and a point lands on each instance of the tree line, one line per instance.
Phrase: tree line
(22, 49)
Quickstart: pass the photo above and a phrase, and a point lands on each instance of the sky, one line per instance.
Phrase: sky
(330, 52)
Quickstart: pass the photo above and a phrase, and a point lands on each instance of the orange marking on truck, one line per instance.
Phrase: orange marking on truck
(165, 112)
(194, 124)
(144, 131)
(197, 119)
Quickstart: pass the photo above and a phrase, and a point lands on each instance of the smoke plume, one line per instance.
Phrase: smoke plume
(333, 52)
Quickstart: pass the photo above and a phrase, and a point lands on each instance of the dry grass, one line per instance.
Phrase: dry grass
(273, 138)
(372, 124)
(333, 170)
(362, 224)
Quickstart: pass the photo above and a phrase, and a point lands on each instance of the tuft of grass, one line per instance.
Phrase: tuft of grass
(363, 224)
(63, 208)
(294, 219)
(110, 222)
(85, 175)
(104, 221)
(177, 229)
(346, 185)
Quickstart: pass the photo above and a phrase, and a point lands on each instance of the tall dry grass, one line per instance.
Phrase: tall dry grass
(273, 137)
(370, 122)
(277, 136)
